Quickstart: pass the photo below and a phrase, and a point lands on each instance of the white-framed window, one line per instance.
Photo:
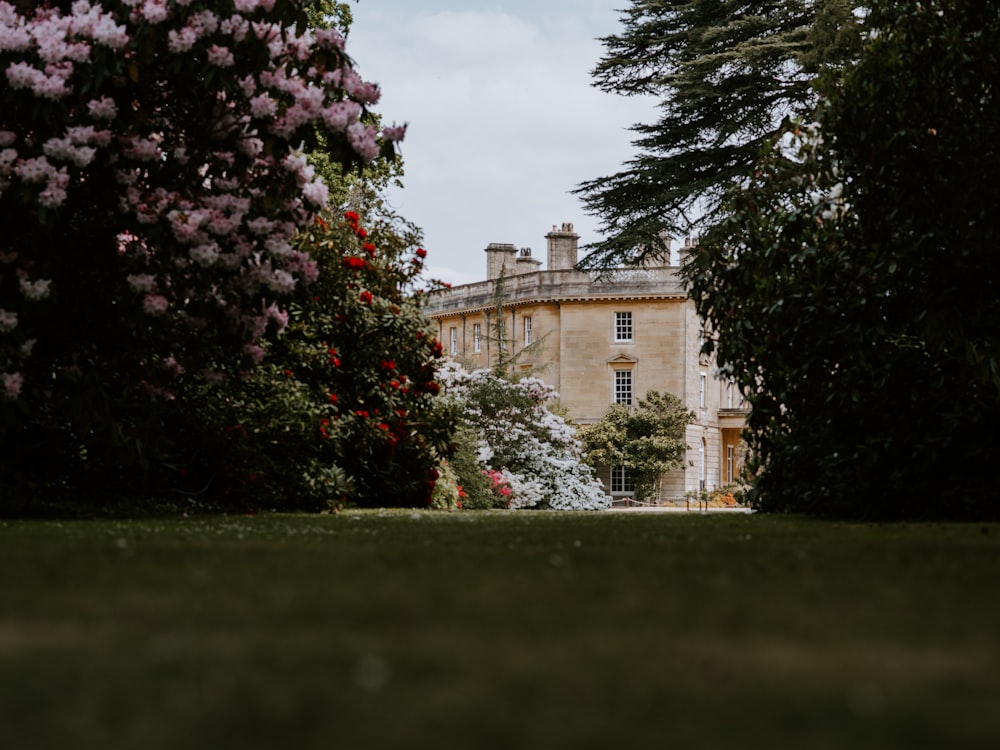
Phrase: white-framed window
(477, 337)
(623, 387)
(454, 341)
(702, 385)
(527, 330)
(621, 482)
(729, 395)
(729, 463)
(623, 326)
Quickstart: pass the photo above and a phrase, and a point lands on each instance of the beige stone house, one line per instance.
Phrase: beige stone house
(599, 339)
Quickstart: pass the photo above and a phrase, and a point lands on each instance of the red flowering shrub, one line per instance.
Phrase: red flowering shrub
(357, 419)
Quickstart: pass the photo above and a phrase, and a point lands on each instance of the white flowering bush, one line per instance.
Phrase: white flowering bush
(531, 454)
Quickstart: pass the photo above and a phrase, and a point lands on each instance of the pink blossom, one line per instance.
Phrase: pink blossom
(279, 316)
(103, 108)
(155, 304)
(255, 352)
(54, 193)
(12, 384)
(221, 56)
(329, 38)
(205, 255)
(35, 290)
(34, 170)
(341, 114)
(181, 41)
(141, 282)
(394, 133)
(263, 106)
(8, 321)
(362, 140)
(316, 193)
(141, 149)
(155, 11)
(7, 137)
(172, 366)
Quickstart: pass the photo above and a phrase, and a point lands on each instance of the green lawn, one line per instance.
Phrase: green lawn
(498, 630)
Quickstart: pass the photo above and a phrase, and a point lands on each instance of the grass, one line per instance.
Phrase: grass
(498, 630)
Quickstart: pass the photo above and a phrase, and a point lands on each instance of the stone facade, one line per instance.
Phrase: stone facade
(598, 337)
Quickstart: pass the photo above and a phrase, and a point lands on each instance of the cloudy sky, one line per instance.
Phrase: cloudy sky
(503, 120)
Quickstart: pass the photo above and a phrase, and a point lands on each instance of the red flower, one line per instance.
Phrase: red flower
(432, 387)
(387, 364)
(370, 249)
(333, 398)
(352, 216)
(362, 414)
(366, 297)
(436, 349)
(321, 224)
(354, 263)
(421, 253)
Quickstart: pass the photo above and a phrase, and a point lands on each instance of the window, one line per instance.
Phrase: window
(621, 482)
(454, 341)
(527, 330)
(702, 475)
(701, 389)
(623, 326)
(623, 387)
(477, 337)
(729, 396)
(729, 464)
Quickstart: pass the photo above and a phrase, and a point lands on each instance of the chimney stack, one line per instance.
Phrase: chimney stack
(500, 258)
(562, 248)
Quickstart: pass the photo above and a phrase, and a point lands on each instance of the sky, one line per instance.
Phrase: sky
(503, 119)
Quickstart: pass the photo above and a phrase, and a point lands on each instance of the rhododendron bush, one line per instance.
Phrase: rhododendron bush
(344, 407)
(530, 455)
(152, 179)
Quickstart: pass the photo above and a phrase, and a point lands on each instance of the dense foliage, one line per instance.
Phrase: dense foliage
(530, 454)
(152, 180)
(724, 74)
(647, 439)
(344, 407)
(854, 286)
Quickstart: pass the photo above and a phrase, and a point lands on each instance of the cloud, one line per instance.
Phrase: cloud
(503, 119)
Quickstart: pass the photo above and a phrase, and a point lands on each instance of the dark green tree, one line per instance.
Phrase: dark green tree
(726, 73)
(648, 440)
(854, 284)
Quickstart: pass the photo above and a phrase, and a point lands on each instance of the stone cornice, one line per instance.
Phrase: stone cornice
(558, 287)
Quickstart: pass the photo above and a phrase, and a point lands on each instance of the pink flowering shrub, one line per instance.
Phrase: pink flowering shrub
(151, 184)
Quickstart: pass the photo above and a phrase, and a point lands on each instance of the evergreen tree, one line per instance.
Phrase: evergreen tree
(853, 283)
(727, 72)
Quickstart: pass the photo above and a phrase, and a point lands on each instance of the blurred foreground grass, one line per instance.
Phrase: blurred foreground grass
(498, 630)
